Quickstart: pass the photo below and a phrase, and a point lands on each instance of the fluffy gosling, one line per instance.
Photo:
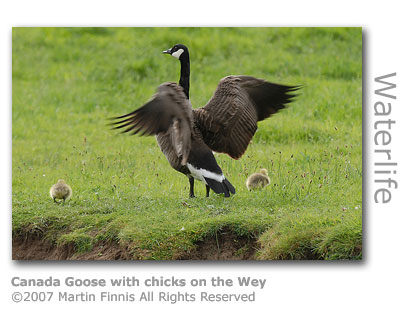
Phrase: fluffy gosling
(258, 180)
(60, 190)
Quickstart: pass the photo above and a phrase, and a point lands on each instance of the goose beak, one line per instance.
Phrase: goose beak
(167, 51)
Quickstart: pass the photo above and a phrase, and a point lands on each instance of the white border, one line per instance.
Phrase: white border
(376, 287)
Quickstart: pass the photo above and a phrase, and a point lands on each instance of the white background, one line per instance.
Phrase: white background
(376, 287)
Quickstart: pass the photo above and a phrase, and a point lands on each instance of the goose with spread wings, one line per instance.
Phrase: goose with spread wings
(226, 124)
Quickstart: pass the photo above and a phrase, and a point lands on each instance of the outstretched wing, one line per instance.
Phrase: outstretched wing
(229, 120)
(168, 110)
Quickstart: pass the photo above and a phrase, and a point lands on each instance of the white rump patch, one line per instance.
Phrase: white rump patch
(177, 54)
(200, 174)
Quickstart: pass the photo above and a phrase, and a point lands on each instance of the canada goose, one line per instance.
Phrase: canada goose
(258, 180)
(60, 190)
(225, 124)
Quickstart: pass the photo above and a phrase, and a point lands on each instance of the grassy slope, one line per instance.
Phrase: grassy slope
(66, 82)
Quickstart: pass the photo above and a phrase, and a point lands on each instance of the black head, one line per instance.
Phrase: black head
(178, 51)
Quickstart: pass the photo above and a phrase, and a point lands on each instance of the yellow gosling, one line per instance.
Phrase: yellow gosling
(258, 180)
(60, 190)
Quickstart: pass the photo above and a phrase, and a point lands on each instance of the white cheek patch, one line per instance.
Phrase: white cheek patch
(200, 174)
(177, 54)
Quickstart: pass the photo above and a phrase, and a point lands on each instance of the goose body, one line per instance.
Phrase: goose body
(258, 180)
(188, 137)
(60, 190)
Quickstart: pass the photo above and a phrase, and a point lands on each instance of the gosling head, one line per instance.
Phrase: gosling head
(178, 51)
(61, 181)
(264, 172)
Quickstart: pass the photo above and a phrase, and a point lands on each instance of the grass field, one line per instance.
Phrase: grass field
(68, 81)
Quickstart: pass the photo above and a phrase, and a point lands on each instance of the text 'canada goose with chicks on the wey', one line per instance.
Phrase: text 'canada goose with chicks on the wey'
(225, 124)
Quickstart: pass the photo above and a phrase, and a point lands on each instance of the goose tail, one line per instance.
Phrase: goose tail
(229, 186)
(224, 187)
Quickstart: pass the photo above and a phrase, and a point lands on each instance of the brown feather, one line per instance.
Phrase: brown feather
(228, 121)
(168, 114)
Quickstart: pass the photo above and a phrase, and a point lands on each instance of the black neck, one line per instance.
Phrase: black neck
(185, 73)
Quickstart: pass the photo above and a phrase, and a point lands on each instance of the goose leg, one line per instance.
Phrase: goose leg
(192, 182)
(207, 190)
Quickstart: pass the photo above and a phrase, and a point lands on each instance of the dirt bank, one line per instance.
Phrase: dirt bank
(224, 245)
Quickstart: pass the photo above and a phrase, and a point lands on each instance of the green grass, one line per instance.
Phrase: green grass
(68, 81)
